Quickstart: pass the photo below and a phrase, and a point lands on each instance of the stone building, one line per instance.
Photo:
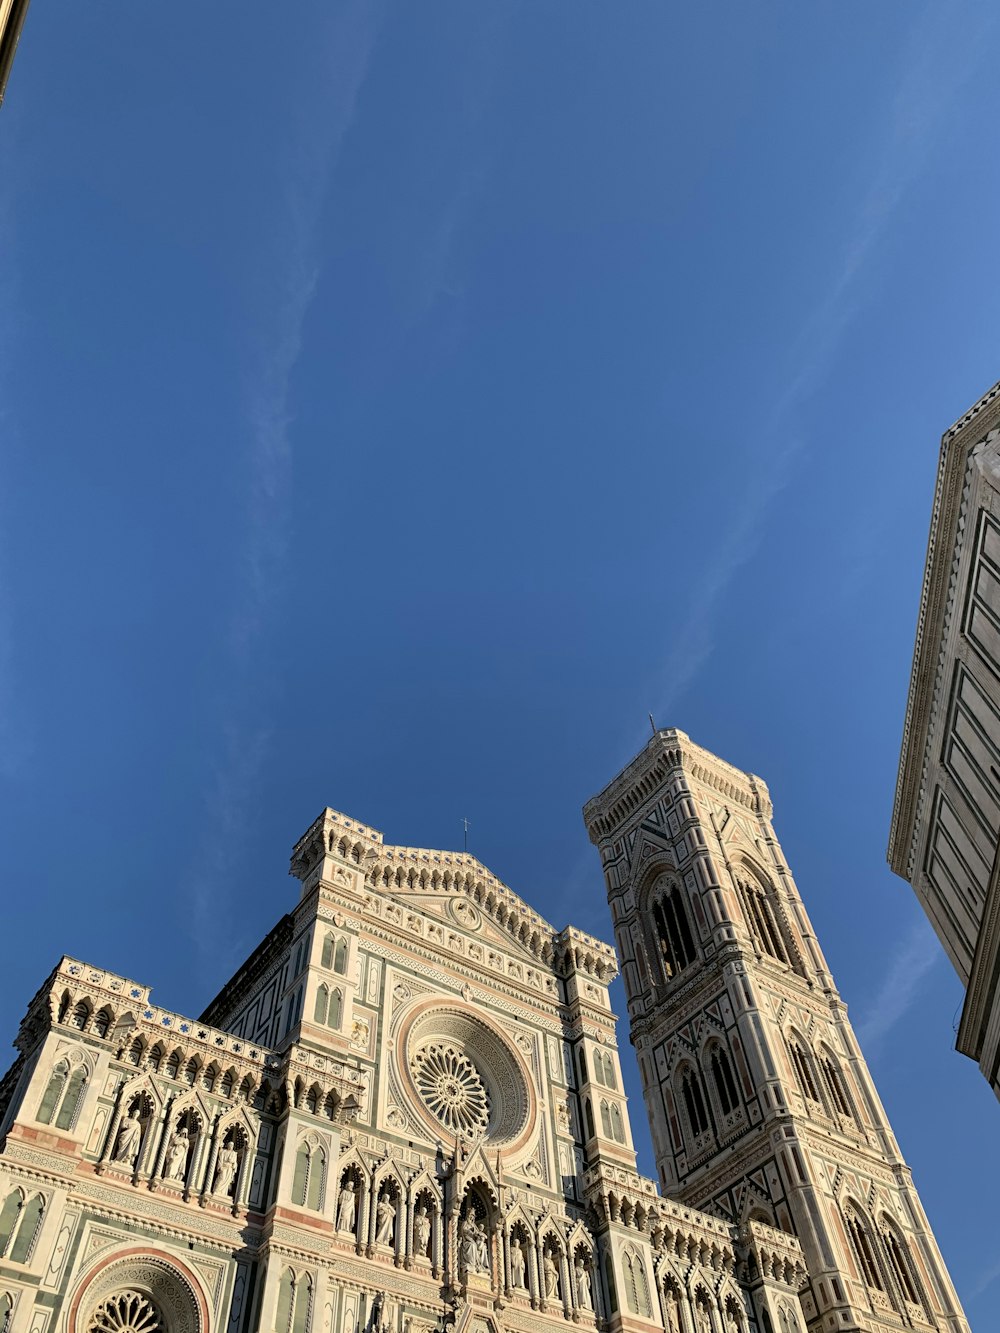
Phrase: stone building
(12, 15)
(946, 815)
(404, 1113)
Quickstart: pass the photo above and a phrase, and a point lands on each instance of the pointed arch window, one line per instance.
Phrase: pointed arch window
(609, 1072)
(340, 957)
(899, 1260)
(675, 942)
(286, 1301)
(605, 1120)
(725, 1083)
(20, 1223)
(62, 1096)
(6, 1311)
(301, 1178)
(803, 1071)
(81, 1013)
(317, 1174)
(764, 919)
(834, 1079)
(322, 1004)
(336, 1009)
(588, 1112)
(694, 1102)
(617, 1125)
(609, 1278)
(864, 1249)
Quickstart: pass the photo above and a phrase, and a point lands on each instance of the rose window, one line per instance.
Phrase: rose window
(126, 1312)
(451, 1088)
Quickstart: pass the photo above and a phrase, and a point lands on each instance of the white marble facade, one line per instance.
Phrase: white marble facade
(405, 1113)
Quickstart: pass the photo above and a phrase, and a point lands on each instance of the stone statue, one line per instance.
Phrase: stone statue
(421, 1232)
(177, 1152)
(386, 1216)
(517, 1264)
(550, 1272)
(127, 1143)
(472, 1257)
(583, 1296)
(347, 1208)
(225, 1170)
(482, 1250)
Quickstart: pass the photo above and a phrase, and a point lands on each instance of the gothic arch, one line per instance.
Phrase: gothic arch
(720, 1075)
(901, 1264)
(803, 1063)
(835, 1081)
(861, 1234)
(62, 1097)
(666, 909)
(165, 1280)
(765, 913)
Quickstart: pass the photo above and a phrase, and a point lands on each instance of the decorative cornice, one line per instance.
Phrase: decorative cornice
(396, 872)
(950, 486)
(669, 753)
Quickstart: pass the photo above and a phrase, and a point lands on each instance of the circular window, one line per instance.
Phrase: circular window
(463, 1076)
(126, 1312)
(451, 1088)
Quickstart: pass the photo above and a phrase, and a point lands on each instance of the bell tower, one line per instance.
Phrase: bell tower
(761, 1105)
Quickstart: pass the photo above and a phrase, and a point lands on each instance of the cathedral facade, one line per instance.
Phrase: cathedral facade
(404, 1113)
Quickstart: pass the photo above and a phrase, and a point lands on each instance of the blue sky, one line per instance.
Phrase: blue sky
(399, 402)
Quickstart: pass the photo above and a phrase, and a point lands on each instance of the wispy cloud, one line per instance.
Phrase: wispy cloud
(913, 958)
(304, 182)
(940, 57)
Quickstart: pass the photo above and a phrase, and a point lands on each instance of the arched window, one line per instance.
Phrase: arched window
(340, 957)
(901, 1264)
(62, 1096)
(326, 958)
(9, 1214)
(803, 1070)
(21, 1239)
(605, 1120)
(303, 1305)
(322, 1003)
(173, 1064)
(636, 1287)
(725, 1083)
(336, 1009)
(301, 1179)
(588, 1112)
(226, 1086)
(6, 1311)
(609, 1071)
(609, 1278)
(317, 1175)
(864, 1249)
(191, 1072)
(72, 1097)
(102, 1023)
(156, 1058)
(53, 1092)
(286, 1302)
(694, 1101)
(81, 1013)
(675, 943)
(617, 1127)
(760, 906)
(135, 1051)
(581, 1057)
(834, 1079)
